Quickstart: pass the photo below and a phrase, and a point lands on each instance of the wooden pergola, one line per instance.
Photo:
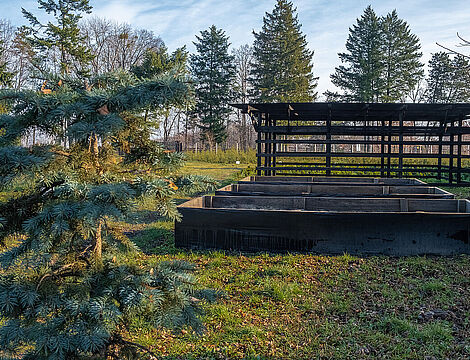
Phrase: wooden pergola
(385, 139)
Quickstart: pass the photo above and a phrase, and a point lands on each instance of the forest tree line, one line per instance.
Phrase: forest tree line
(382, 63)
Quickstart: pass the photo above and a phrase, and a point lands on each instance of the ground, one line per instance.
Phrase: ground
(274, 306)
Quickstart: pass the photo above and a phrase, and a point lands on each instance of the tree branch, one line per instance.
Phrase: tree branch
(453, 51)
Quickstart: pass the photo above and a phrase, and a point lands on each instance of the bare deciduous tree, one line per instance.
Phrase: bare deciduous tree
(243, 59)
(117, 46)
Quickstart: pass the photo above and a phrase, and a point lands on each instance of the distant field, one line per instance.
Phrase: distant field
(217, 171)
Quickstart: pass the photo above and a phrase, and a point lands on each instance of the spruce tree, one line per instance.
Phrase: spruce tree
(460, 79)
(448, 79)
(71, 282)
(439, 77)
(156, 63)
(361, 75)
(213, 71)
(282, 66)
(61, 40)
(402, 66)
(382, 62)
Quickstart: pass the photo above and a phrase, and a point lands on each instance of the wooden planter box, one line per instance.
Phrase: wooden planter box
(358, 220)
(320, 189)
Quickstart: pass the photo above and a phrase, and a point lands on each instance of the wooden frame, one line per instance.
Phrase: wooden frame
(358, 215)
(394, 132)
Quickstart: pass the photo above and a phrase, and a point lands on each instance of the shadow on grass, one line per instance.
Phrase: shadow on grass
(156, 239)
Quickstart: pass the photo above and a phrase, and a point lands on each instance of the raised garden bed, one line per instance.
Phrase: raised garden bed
(383, 216)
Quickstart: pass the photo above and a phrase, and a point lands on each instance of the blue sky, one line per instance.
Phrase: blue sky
(325, 23)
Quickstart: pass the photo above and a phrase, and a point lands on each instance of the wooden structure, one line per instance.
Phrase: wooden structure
(359, 139)
(327, 215)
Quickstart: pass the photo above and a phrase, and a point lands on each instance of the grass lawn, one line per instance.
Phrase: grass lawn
(304, 306)
(217, 171)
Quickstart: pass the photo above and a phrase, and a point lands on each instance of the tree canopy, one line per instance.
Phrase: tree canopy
(282, 64)
(381, 62)
(213, 71)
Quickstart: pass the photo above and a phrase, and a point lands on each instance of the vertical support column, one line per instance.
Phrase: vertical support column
(389, 148)
(328, 142)
(451, 153)
(459, 150)
(382, 150)
(274, 150)
(439, 150)
(400, 145)
(259, 148)
(267, 159)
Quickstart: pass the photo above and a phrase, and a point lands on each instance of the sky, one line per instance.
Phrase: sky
(326, 23)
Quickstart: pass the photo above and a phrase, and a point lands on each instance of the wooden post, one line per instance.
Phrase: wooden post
(382, 150)
(442, 127)
(451, 153)
(274, 150)
(459, 151)
(266, 146)
(389, 148)
(400, 145)
(258, 150)
(328, 143)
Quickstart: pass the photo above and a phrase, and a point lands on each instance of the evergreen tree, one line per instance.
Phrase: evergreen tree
(155, 63)
(439, 78)
(6, 76)
(448, 79)
(460, 79)
(382, 62)
(71, 282)
(361, 76)
(282, 66)
(400, 49)
(158, 62)
(59, 46)
(213, 71)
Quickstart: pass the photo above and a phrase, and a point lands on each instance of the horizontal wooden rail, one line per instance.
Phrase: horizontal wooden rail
(364, 130)
(355, 155)
(360, 142)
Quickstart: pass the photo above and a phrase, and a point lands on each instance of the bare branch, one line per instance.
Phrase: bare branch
(453, 51)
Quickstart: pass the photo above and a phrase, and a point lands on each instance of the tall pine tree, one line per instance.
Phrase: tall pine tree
(213, 71)
(361, 76)
(448, 79)
(59, 47)
(282, 66)
(402, 65)
(382, 62)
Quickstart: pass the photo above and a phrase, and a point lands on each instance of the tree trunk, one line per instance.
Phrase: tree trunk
(98, 244)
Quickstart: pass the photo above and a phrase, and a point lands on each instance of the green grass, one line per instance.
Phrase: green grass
(316, 307)
(230, 156)
(298, 306)
(215, 170)
(307, 306)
